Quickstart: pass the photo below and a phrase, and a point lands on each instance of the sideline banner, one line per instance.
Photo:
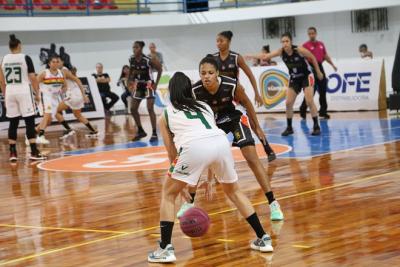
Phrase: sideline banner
(355, 86)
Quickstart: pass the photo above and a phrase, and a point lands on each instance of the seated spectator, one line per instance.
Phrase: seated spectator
(103, 83)
(262, 62)
(156, 55)
(123, 82)
(365, 54)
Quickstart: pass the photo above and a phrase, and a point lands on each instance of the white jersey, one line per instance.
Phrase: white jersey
(15, 70)
(189, 126)
(52, 83)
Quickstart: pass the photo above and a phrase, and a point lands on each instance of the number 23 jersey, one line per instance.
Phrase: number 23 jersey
(188, 126)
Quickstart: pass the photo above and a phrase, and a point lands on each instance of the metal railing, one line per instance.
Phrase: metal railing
(118, 7)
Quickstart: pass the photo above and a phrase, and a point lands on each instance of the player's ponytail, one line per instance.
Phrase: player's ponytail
(227, 34)
(14, 42)
(180, 93)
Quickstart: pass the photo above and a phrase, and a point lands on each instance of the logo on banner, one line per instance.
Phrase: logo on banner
(273, 87)
(356, 82)
(162, 92)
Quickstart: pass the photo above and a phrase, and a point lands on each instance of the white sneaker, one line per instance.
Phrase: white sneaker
(67, 133)
(162, 255)
(276, 212)
(263, 244)
(92, 135)
(42, 140)
(185, 206)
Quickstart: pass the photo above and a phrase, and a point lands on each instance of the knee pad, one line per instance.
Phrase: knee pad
(12, 130)
(30, 127)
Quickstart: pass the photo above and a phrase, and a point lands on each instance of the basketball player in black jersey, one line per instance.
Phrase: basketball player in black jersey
(143, 87)
(229, 63)
(219, 92)
(301, 77)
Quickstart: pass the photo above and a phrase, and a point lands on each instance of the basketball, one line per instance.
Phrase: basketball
(195, 222)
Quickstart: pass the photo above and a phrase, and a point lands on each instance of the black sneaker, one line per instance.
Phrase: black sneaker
(154, 138)
(316, 131)
(325, 116)
(37, 156)
(288, 131)
(13, 156)
(271, 156)
(139, 136)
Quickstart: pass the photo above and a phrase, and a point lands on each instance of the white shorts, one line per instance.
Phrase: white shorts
(50, 102)
(195, 157)
(74, 100)
(20, 104)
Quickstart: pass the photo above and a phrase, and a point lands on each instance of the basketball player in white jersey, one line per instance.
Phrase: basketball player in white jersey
(52, 84)
(17, 78)
(194, 143)
(74, 99)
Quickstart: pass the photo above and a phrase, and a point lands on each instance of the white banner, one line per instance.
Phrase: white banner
(355, 86)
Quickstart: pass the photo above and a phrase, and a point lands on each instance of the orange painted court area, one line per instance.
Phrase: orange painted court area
(132, 159)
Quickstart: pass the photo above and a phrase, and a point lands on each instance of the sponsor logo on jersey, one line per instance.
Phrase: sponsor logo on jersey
(273, 84)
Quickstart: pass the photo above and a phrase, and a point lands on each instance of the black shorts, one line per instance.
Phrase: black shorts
(297, 84)
(142, 92)
(240, 129)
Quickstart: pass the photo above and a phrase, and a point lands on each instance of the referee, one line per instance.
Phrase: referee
(317, 48)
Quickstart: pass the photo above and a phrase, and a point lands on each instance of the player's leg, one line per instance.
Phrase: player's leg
(31, 135)
(153, 118)
(60, 118)
(78, 115)
(12, 137)
(136, 99)
(46, 119)
(291, 95)
(309, 96)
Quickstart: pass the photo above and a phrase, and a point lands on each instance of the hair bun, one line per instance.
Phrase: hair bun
(12, 37)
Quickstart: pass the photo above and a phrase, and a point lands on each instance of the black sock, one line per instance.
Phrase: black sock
(34, 149)
(166, 233)
(289, 122)
(140, 129)
(41, 132)
(270, 197)
(13, 148)
(256, 225)
(66, 126)
(193, 195)
(267, 148)
(90, 127)
(154, 132)
(315, 119)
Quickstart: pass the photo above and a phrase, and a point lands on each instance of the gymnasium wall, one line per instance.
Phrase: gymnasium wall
(184, 46)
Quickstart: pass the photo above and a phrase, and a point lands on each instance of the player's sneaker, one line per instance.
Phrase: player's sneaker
(162, 255)
(271, 156)
(67, 133)
(276, 212)
(288, 131)
(13, 156)
(185, 206)
(37, 156)
(154, 138)
(42, 140)
(139, 135)
(92, 135)
(316, 131)
(263, 244)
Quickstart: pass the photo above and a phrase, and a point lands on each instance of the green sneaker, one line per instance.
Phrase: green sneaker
(276, 212)
(185, 206)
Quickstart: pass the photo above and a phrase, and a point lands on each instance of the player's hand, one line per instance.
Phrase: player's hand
(261, 135)
(258, 100)
(208, 189)
(320, 75)
(185, 194)
(86, 99)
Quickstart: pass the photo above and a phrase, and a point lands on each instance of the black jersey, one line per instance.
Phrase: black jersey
(140, 70)
(296, 63)
(228, 67)
(222, 101)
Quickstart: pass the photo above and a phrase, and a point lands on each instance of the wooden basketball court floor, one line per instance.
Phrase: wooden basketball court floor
(340, 194)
